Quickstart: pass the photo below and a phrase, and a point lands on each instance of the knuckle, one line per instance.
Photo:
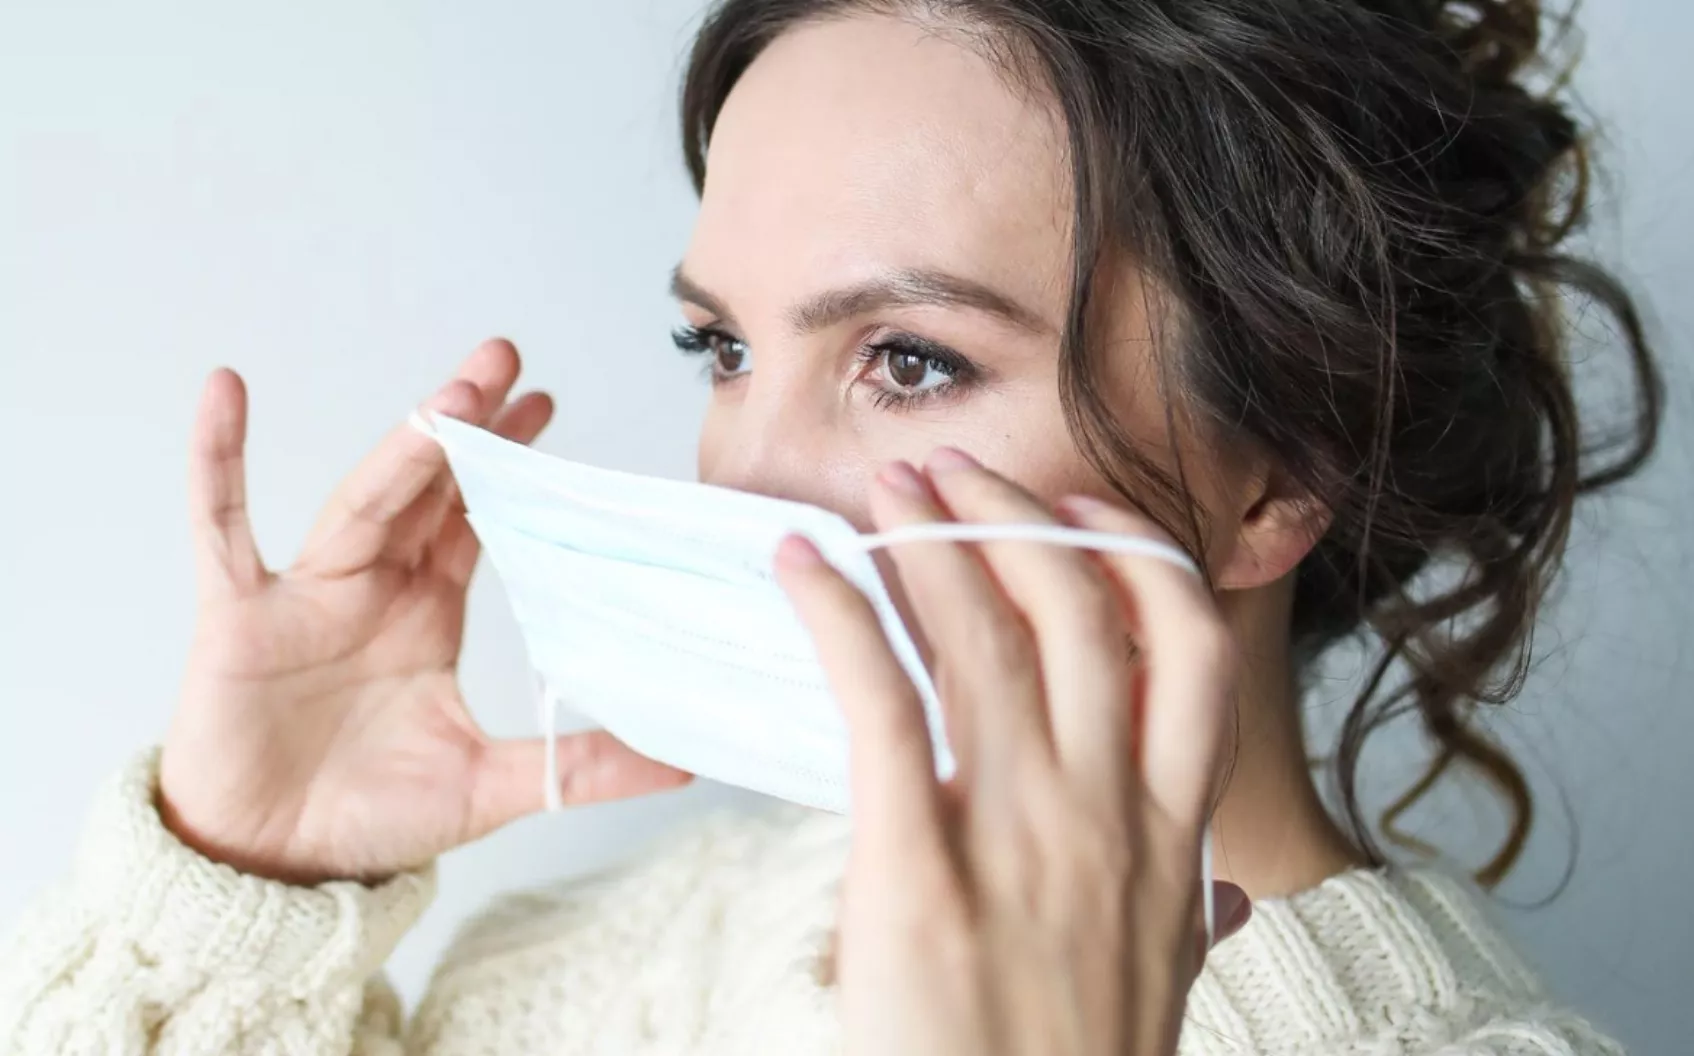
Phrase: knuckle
(1092, 611)
(1000, 645)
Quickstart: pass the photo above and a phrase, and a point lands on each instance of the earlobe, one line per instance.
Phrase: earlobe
(1272, 537)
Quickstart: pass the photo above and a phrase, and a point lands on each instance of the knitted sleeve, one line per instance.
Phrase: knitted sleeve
(149, 949)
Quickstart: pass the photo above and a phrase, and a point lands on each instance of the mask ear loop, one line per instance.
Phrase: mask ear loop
(1207, 898)
(418, 420)
(547, 706)
(1057, 535)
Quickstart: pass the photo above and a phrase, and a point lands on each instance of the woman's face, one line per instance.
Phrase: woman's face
(879, 268)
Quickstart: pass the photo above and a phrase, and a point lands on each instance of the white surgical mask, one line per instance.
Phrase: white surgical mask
(651, 607)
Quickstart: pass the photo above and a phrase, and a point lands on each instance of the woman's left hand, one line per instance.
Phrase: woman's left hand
(1047, 898)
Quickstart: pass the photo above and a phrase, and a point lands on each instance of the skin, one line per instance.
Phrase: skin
(868, 178)
(853, 151)
(321, 733)
(1043, 899)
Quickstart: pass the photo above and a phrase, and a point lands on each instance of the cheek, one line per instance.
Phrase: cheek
(710, 446)
(1049, 470)
(1029, 443)
(802, 461)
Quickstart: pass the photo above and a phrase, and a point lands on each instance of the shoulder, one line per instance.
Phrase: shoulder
(1402, 963)
(632, 953)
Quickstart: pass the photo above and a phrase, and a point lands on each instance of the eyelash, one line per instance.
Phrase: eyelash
(698, 340)
(959, 371)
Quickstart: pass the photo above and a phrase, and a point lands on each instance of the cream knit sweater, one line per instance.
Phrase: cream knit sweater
(711, 948)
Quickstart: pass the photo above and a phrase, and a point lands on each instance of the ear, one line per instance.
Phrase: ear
(1278, 528)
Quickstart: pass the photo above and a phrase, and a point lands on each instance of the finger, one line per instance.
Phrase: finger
(1194, 947)
(509, 779)
(890, 755)
(226, 557)
(1075, 615)
(521, 420)
(1188, 663)
(987, 670)
(403, 537)
(453, 547)
(1233, 909)
(493, 368)
(358, 521)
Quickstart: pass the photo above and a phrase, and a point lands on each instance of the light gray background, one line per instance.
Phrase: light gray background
(341, 199)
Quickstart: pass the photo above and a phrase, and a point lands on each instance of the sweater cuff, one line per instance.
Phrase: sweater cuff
(179, 908)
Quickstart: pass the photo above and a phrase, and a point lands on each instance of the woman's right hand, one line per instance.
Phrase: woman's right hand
(321, 733)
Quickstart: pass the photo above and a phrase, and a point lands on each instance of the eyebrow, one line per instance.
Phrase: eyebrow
(908, 287)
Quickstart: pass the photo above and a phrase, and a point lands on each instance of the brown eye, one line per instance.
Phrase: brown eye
(907, 370)
(730, 357)
(726, 356)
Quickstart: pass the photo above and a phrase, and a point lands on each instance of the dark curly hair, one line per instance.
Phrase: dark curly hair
(1354, 211)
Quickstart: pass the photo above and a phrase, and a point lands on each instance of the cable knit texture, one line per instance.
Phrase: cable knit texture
(711, 948)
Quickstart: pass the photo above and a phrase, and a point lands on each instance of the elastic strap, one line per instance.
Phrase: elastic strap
(1207, 899)
(547, 706)
(1056, 534)
(417, 421)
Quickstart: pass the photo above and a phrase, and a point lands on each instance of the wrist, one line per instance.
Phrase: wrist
(177, 905)
(243, 858)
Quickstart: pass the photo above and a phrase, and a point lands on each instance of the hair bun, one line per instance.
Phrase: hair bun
(1494, 40)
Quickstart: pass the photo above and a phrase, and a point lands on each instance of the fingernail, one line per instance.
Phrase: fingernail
(1080, 505)
(456, 394)
(949, 460)
(798, 552)
(1233, 909)
(902, 477)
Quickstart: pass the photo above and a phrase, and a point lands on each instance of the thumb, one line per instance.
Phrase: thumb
(509, 780)
(1232, 908)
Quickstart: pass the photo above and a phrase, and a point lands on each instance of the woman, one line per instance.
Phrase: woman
(1276, 275)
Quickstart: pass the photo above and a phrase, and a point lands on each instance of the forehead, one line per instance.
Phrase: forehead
(857, 145)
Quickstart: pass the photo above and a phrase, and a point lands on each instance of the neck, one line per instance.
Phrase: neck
(1273, 835)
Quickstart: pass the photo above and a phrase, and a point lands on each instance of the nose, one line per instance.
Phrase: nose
(778, 438)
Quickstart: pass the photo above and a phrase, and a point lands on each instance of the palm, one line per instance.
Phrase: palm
(322, 732)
